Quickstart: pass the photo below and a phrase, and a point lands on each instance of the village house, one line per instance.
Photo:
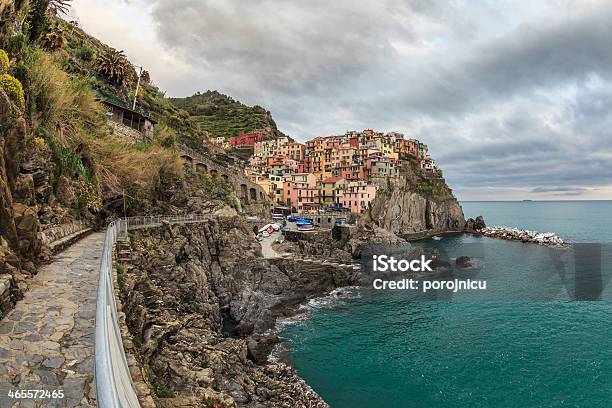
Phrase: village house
(299, 188)
(248, 139)
(335, 170)
(130, 124)
(357, 196)
(293, 150)
(383, 167)
(330, 190)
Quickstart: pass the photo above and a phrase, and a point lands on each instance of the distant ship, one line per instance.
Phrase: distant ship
(527, 200)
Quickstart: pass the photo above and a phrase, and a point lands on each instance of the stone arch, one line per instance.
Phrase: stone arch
(201, 167)
(252, 194)
(243, 191)
(213, 173)
(187, 159)
(261, 196)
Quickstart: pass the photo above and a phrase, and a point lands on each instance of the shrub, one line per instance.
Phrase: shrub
(18, 44)
(121, 276)
(54, 39)
(13, 89)
(162, 391)
(4, 62)
(61, 102)
(88, 196)
(164, 136)
(85, 53)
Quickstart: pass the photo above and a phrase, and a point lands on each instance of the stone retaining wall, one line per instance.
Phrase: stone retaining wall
(56, 233)
(125, 132)
(6, 302)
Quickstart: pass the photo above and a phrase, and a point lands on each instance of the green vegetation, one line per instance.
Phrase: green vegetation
(162, 390)
(38, 18)
(215, 403)
(54, 39)
(13, 89)
(220, 115)
(217, 187)
(4, 62)
(121, 276)
(115, 67)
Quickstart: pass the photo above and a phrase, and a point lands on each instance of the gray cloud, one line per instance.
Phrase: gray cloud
(509, 95)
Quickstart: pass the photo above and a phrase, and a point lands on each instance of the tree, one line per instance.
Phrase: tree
(115, 67)
(145, 77)
(39, 21)
(59, 6)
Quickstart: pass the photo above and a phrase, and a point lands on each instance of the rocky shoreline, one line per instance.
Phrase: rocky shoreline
(200, 302)
(516, 234)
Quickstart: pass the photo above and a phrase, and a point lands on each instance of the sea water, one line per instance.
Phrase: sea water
(527, 345)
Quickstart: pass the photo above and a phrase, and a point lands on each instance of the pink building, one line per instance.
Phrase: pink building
(300, 188)
(357, 196)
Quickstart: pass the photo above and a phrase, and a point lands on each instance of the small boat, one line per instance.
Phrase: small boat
(291, 218)
(305, 227)
(277, 216)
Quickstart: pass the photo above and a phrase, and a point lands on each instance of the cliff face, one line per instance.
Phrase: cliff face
(414, 205)
(199, 299)
(19, 243)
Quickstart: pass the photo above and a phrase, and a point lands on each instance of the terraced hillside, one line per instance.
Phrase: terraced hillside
(220, 115)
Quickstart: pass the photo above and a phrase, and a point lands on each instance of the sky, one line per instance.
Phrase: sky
(514, 98)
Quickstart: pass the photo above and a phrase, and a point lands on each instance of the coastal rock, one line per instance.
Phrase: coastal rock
(515, 234)
(402, 206)
(201, 299)
(463, 262)
(475, 225)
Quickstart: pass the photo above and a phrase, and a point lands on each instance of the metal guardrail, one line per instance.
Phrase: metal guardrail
(114, 388)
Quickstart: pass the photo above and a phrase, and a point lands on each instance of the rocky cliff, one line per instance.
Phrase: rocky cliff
(199, 299)
(19, 245)
(415, 205)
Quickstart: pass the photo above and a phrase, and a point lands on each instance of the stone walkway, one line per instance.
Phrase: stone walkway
(47, 341)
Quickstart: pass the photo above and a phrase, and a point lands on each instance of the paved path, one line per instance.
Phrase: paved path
(266, 245)
(47, 340)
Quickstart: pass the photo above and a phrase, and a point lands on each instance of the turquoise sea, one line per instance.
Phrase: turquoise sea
(384, 349)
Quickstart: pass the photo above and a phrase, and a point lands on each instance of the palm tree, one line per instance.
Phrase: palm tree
(115, 67)
(59, 6)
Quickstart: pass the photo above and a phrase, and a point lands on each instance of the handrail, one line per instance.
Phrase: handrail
(114, 388)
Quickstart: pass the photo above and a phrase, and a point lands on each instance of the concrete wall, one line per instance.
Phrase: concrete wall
(328, 220)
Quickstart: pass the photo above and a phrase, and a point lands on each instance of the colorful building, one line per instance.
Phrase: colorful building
(300, 188)
(247, 139)
(330, 190)
(357, 196)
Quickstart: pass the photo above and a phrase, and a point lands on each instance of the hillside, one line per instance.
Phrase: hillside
(221, 115)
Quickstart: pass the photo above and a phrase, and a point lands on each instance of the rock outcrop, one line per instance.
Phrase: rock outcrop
(414, 206)
(475, 225)
(516, 234)
(199, 299)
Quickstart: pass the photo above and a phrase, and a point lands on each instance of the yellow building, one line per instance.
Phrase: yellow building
(330, 190)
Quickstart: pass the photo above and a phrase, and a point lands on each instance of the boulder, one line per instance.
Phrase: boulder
(463, 262)
(26, 224)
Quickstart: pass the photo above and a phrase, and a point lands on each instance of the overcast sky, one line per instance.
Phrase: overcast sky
(514, 98)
